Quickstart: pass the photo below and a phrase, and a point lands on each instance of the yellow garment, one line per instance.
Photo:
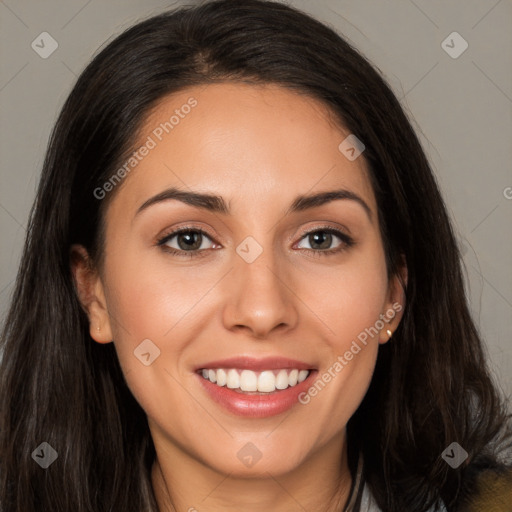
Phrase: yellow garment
(493, 493)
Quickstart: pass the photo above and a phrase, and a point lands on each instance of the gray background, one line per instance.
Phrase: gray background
(461, 107)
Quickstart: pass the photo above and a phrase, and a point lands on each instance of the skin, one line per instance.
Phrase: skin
(258, 147)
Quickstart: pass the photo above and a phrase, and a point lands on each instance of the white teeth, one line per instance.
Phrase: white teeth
(266, 382)
(302, 375)
(248, 381)
(233, 381)
(221, 378)
(282, 380)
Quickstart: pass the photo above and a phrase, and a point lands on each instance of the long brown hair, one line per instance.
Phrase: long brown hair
(431, 386)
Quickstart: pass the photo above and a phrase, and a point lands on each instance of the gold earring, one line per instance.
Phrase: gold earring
(389, 333)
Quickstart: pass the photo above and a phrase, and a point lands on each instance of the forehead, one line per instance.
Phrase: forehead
(247, 143)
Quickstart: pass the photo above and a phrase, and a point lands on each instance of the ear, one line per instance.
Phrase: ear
(90, 292)
(395, 303)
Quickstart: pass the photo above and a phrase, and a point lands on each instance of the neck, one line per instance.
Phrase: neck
(321, 483)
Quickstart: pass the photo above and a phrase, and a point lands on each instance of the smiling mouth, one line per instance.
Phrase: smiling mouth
(251, 382)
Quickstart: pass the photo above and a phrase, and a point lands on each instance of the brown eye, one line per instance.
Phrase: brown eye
(185, 240)
(321, 241)
(189, 240)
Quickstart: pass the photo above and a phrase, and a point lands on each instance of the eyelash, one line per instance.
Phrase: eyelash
(346, 240)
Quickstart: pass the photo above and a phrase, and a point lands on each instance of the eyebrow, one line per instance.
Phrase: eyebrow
(216, 204)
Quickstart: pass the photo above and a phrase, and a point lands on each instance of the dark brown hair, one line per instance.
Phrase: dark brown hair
(431, 386)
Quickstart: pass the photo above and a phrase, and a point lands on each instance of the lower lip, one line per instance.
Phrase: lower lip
(256, 405)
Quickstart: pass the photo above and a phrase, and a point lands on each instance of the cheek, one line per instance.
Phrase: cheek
(349, 304)
(347, 370)
(150, 295)
(150, 300)
(350, 298)
(153, 298)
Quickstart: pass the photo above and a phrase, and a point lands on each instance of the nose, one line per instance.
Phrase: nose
(260, 300)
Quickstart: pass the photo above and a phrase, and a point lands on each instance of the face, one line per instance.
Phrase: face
(218, 262)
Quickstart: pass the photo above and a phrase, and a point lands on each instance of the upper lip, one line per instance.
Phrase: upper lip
(255, 364)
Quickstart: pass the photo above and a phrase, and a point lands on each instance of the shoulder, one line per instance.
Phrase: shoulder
(493, 491)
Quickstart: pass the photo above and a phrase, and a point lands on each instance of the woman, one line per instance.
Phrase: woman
(240, 289)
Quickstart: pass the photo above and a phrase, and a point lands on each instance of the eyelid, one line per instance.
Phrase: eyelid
(325, 227)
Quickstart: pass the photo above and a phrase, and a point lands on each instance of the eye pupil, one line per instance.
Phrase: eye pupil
(321, 237)
(191, 239)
